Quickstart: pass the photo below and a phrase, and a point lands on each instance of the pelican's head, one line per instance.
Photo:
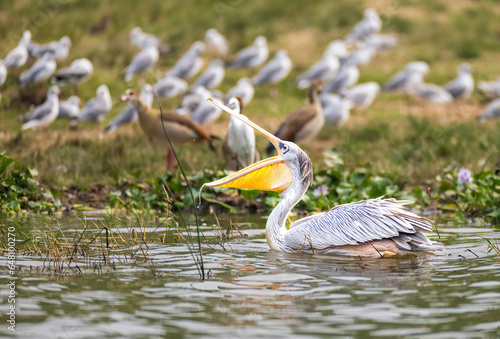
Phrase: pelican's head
(291, 165)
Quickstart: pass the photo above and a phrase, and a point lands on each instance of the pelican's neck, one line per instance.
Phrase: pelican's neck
(276, 224)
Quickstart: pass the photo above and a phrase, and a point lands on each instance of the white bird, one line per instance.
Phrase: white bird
(327, 67)
(190, 63)
(336, 109)
(348, 75)
(381, 42)
(170, 86)
(3, 72)
(129, 113)
(492, 111)
(193, 99)
(206, 113)
(216, 42)
(79, 71)
(69, 108)
(490, 88)
(252, 56)
(213, 75)
(370, 24)
(370, 228)
(362, 55)
(144, 61)
(243, 89)
(239, 145)
(59, 49)
(362, 95)
(39, 71)
(275, 70)
(44, 114)
(19, 55)
(461, 88)
(96, 108)
(142, 40)
(412, 75)
(432, 93)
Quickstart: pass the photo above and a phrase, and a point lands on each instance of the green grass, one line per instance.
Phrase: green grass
(410, 141)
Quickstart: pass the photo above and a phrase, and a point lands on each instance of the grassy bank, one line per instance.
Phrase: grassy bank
(406, 140)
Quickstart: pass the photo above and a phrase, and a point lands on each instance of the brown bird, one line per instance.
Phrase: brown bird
(179, 128)
(302, 124)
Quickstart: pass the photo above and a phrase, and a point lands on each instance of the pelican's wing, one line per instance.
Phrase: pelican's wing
(356, 223)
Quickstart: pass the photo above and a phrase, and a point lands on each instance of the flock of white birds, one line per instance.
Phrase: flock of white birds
(337, 70)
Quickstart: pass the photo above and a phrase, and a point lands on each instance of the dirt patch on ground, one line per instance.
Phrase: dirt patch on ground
(302, 46)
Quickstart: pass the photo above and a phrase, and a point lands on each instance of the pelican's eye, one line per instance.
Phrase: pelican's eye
(284, 148)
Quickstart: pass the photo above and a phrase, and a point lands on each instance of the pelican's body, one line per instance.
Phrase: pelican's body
(304, 123)
(179, 129)
(239, 145)
(370, 228)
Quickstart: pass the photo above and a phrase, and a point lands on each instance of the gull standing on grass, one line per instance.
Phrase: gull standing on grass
(19, 55)
(206, 112)
(370, 24)
(243, 89)
(3, 72)
(252, 56)
(347, 76)
(95, 109)
(381, 42)
(44, 114)
(142, 40)
(69, 108)
(432, 93)
(129, 113)
(490, 88)
(192, 100)
(461, 88)
(190, 63)
(336, 109)
(59, 49)
(170, 86)
(76, 73)
(275, 70)
(216, 42)
(492, 111)
(327, 67)
(362, 96)
(413, 74)
(39, 71)
(144, 61)
(213, 75)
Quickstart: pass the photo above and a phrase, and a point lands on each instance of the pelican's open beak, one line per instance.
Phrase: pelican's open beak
(266, 175)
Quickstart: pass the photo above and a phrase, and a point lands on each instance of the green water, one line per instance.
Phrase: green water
(253, 292)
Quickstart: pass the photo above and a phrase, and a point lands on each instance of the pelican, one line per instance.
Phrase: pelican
(304, 123)
(239, 145)
(369, 228)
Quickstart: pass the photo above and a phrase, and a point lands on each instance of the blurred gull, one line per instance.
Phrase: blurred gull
(492, 111)
(170, 86)
(193, 99)
(39, 71)
(346, 77)
(141, 39)
(243, 89)
(216, 42)
(79, 71)
(432, 93)
(69, 108)
(381, 42)
(129, 114)
(363, 95)
(206, 112)
(144, 61)
(59, 49)
(413, 74)
(190, 63)
(362, 55)
(490, 88)
(370, 24)
(44, 114)
(3, 72)
(275, 70)
(213, 75)
(252, 56)
(461, 88)
(335, 109)
(19, 55)
(95, 109)
(326, 68)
